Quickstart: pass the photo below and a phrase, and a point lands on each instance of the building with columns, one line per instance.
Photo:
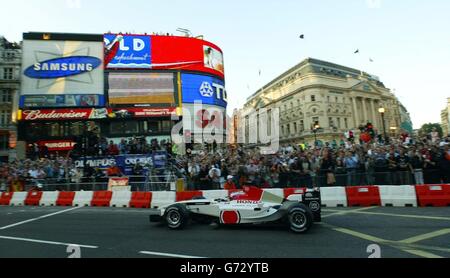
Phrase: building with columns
(336, 97)
(445, 119)
(10, 64)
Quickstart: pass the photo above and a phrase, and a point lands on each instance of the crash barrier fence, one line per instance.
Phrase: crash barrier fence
(167, 182)
(437, 195)
(136, 183)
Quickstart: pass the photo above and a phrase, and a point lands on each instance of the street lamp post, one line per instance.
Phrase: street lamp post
(382, 112)
(315, 130)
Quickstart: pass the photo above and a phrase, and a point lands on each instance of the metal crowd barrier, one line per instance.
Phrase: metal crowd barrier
(137, 183)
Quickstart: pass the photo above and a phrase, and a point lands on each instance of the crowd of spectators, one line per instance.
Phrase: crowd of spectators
(403, 161)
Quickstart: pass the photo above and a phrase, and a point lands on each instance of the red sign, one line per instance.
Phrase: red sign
(182, 53)
(58, 145)
(164, 53)
(63, 114)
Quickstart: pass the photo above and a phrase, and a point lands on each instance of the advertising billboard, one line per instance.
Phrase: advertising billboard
(203, 118)
(127, 51)
(53, 70)
(42, 101)
(63, 114)
(207, 89)
(142, 89)
(162, 53)
(190, 54)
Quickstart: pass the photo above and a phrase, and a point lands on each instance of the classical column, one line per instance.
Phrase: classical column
(374, 115)
(364, 107)
(355, 113)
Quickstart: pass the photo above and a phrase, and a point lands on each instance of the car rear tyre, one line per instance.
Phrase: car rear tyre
(176, 217)
(300, 218)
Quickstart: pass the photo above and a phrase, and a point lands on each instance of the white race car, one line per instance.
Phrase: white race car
(250, 206)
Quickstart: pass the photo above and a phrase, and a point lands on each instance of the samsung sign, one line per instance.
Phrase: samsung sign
(63, 67)
(208, 90)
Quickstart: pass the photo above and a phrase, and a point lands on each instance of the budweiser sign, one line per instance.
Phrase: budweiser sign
(64, 114)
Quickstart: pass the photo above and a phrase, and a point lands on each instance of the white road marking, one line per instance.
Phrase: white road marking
(47, 242)
(38, 218)
(170, 255)
(337, 212)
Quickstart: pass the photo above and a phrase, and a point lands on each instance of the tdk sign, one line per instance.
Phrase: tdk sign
(210, 90)
(63, 67)
(207, 89)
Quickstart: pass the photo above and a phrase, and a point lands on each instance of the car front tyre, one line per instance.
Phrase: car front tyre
(300, 218)
(176, 217)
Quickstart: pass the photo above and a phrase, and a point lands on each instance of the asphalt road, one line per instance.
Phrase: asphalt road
(47, 232)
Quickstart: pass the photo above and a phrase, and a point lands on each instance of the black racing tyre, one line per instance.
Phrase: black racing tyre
(176, 217)
(300, 218)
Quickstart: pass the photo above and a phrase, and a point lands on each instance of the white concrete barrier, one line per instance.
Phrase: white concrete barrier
(398, 196)
(215, 194)
(333, 197)
(49, 198)
(160, 199)
(83, 198)
(121, 199)
(18, 199)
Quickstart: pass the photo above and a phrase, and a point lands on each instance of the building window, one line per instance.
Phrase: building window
(346, 123)
(295, 128)
(8, 73)
(339, 122)
(337, 99)
(315, 120)
(4, 142)
(282, 130)
(328, 98)
(5, 118)
(302, 125)
(313, 98)
(330, 122)
(289, 129)
(6, 96)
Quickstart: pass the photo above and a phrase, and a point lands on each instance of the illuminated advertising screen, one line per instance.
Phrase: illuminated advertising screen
(205, 89)
(190, 54)
(127, 51)
(162, 53)
(142, 89)
(41, 101)
(59, 73)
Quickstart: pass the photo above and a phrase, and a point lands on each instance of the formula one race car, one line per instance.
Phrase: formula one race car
(250, 206)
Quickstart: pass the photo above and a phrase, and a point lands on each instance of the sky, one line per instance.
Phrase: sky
(408, 40)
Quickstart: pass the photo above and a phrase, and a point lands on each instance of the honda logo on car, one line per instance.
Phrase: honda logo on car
(208, 89)
(63, 67)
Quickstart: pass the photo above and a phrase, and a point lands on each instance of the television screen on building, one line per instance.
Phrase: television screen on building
(142, 89)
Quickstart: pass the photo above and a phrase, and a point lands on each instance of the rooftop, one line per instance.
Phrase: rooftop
(321, 67)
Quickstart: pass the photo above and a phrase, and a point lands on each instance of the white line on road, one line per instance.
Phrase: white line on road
(170, 255)
(38, 218)
(47, 242)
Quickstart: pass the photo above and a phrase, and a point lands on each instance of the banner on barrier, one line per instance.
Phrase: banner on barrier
(118, 184)
(126, 163)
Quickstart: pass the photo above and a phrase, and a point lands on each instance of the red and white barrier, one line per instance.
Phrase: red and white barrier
(397, 196)
(49, 198)
(333, 197)
(121, 199)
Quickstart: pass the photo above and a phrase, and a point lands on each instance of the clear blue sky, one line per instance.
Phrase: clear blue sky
(409, 40)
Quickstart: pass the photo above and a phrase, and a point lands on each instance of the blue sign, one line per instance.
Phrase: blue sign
(208, 90)
(51, 101)
(126, 163)
(132, 52)
(63, 67)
